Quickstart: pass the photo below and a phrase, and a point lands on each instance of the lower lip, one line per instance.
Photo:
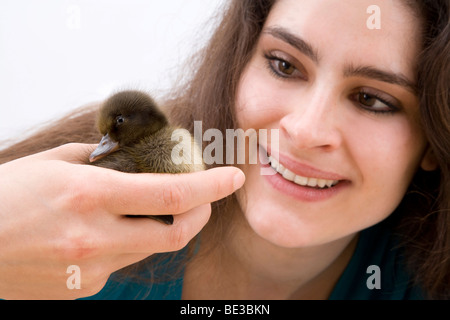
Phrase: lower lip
(302, 193)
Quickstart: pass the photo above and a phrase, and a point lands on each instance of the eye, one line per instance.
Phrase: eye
(375, 102)
(120, 119)
(368, 100)
(282, 68)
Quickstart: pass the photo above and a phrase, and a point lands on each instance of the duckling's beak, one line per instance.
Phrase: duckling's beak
(106, 146)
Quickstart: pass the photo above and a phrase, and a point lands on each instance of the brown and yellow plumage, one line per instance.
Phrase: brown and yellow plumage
(137, 138)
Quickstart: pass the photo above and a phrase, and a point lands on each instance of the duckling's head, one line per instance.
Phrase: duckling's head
(124, 119)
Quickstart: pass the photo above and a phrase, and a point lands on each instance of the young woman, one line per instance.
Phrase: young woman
(359, 207)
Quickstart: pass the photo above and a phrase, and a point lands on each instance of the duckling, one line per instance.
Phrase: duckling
(137, 138)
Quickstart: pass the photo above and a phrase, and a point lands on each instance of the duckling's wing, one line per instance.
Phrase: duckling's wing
(160, 154)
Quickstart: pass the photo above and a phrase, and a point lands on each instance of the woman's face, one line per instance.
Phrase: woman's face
(342, 97)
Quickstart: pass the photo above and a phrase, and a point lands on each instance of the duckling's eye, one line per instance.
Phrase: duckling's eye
(120, 119)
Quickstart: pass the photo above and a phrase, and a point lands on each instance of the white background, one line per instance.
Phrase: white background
(57, 55)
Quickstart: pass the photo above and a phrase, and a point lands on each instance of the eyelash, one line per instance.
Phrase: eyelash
(393, 108)
(271, 59)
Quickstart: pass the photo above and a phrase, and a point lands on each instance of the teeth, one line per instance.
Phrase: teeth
(312, 182)
(321, 183)
(288, 175)
(302, 181)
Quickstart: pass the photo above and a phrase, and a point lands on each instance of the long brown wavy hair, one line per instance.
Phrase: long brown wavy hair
(209, 96)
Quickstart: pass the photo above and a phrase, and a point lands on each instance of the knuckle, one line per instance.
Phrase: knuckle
(172, 197)
(77, 197)
(217, 189)
(179, 237)
(75, 245)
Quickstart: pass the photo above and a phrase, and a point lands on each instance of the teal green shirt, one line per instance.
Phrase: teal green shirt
(386, 279)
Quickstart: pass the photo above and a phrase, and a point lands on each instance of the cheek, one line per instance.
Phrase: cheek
(387, 154)
(256, 106)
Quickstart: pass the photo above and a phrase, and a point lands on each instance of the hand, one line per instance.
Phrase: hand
(55, 212)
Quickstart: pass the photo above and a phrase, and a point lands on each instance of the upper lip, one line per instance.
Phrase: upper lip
(305, 170)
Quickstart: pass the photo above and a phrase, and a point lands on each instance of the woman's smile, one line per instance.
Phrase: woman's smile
(333, 108)
(300, 181)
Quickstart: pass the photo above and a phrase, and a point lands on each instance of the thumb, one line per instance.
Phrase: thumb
(77, 153)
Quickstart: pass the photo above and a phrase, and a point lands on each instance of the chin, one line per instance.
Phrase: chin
(278, 224)
(287, 222)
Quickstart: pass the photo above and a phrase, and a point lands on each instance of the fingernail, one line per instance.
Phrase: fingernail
(239, 179)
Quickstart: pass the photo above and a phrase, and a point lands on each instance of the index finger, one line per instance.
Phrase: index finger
(155, 194)
(146, 194)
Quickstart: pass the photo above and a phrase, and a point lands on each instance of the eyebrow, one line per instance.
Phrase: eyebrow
(380, 75)
(350, 71)
(295, 41)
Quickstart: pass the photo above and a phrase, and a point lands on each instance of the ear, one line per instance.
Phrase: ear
(429, 161)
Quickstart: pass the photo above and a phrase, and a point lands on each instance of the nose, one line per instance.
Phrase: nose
(312, 121)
